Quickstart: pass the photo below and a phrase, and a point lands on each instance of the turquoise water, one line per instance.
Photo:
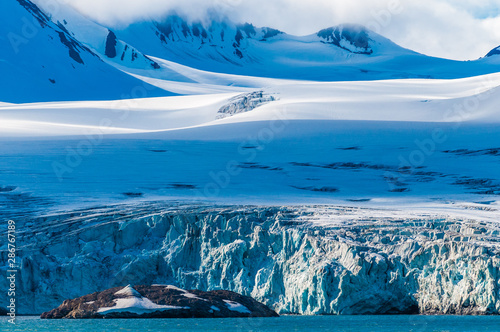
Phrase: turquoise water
(287, 323)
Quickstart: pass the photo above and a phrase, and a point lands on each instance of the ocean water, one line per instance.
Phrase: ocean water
(285, 323)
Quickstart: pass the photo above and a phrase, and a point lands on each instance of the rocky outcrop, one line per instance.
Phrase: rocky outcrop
(159, 301)
(111, 42)
(352, 38)
(493, 52)
(244, 103)
(304, 260)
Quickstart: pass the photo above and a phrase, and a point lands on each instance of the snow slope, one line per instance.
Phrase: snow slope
(100, 39)
(429, 101)
(43, 61)
(304, 141)
(380, 142)
(108, 117)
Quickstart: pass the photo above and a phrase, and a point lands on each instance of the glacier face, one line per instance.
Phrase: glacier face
(281, 256)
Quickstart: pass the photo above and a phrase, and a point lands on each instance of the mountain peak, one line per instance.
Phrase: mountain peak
(495, 51)
(245, 49)
(351, 37)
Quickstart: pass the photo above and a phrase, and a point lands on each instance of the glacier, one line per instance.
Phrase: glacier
(295, 259)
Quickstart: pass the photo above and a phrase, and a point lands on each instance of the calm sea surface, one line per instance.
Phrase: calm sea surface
(286, 323)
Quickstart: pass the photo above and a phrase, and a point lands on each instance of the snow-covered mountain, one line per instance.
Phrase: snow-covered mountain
(61, 55)
(42, 60)
(246, 49)
(344, 52)
(99, 39)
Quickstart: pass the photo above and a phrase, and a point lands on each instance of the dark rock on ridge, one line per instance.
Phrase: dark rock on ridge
(495, 51)
(111, 45)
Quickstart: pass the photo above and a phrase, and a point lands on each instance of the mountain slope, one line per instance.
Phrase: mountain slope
(246, 50)
(42, 61)
(76, 56)
(99, 39)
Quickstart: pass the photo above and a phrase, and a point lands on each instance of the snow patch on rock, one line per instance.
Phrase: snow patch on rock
(137, 306)
(128, 292)
(185, 293)
(235, 306)
(135, 303)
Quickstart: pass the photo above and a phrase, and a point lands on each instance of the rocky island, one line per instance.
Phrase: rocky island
(160, 301)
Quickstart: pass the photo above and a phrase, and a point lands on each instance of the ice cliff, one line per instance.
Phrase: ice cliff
(293, 259)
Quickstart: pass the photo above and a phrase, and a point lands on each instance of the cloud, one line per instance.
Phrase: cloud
(457, 29)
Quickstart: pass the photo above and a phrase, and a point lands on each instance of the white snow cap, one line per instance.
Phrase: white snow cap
(129, 291)
(134, 302)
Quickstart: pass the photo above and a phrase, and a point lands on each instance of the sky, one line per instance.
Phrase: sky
(454, 29)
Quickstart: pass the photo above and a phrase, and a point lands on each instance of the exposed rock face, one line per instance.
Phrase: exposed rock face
(352, 38)
(244, 103)
(494, 51)
(295, 260)
(233, 36)
(74, 47)
(159, 301)
(236, 39)
(111, 45)
(37, 13)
